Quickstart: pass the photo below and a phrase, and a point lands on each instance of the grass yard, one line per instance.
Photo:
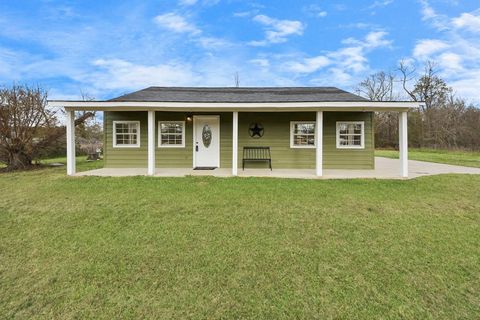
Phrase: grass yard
(459, 158)
(202, 247)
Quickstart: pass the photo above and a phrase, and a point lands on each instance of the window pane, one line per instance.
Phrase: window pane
(303, 134)
(167, 127)
(311, 140)
(305, 128)
(171, 133)
(349, 134)
(358, 128)
(357, 140)
(126, 133)
(300, 140)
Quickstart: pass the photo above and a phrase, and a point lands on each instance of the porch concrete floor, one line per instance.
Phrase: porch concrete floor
(384, 169)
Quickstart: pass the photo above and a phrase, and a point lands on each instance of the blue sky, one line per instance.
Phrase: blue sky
(106, 48)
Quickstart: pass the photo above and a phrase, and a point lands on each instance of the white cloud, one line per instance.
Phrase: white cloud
(193, 2)
(120, 74)
(258, 43)
(359, 25)
(343, 66)
(467, 21)
(467, 85)
(117, 75)
(426, 47)
(427, 10)
(372, 40)
(264, 63)
(176, 23)
(242, 14)
(450, 61)
(377, 39)
(380, 3)
(429, 14)
(179, 24)
(213, 43)
(315, 10)
(456, 49)
(351, 58)
(309, 65)
(188, 2)
(277, 31)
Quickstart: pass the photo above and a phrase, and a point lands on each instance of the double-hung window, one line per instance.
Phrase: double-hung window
(350, 134)
(126, 134)
(302, 134)
(171, 134)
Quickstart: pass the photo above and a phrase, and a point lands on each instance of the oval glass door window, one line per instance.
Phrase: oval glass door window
(206, 136)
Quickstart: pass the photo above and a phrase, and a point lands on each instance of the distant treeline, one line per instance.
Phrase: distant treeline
(443, 121)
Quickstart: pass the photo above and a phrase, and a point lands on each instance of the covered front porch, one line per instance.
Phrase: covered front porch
(153, 163)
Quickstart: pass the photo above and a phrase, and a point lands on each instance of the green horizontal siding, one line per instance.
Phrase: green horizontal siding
(183, 157)
(164, 157)
(334, 158)
(276, 136)
(125, 157)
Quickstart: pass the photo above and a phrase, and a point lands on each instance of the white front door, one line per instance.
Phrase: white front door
(206, 141)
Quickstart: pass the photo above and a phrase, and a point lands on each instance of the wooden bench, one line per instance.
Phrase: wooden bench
(256, 154)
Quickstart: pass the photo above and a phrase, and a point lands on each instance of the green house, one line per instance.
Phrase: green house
(234, 130)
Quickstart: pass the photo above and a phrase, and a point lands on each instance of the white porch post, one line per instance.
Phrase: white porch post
(403, 143)
(319, 143)
(151, 143)
(235, 144)
(70, 142)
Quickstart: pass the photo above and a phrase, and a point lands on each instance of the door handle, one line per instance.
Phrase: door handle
(196, 147)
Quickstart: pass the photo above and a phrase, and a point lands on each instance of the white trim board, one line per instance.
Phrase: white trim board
(232, 106)
(292, 145)
(159, 135)
(362, 135)
(114, 140)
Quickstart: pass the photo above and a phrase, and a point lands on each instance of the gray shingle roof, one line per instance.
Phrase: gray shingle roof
(244, 94)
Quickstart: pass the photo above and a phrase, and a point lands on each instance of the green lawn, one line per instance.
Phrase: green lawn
(211, 248)
(460, 158)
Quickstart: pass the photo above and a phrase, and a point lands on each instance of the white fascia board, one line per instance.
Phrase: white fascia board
(105, 105)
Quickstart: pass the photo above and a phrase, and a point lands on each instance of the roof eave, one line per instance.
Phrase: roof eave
(233, 106)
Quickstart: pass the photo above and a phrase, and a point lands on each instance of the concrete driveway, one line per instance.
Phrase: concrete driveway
(386, 168)
(420, 168)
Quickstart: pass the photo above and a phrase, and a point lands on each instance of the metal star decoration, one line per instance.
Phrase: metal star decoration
(256, 130)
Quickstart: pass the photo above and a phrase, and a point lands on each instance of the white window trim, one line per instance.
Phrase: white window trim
(171, 145)
(362, 146)
(137, 145)
(292, 145)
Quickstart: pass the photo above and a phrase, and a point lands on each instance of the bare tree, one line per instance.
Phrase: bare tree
(23, 113)
(431, 89)
(442, 121)
(436, 96)
(28, 129)
(407, 76)
(378, 87)
(90, 140)
(236, 79)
